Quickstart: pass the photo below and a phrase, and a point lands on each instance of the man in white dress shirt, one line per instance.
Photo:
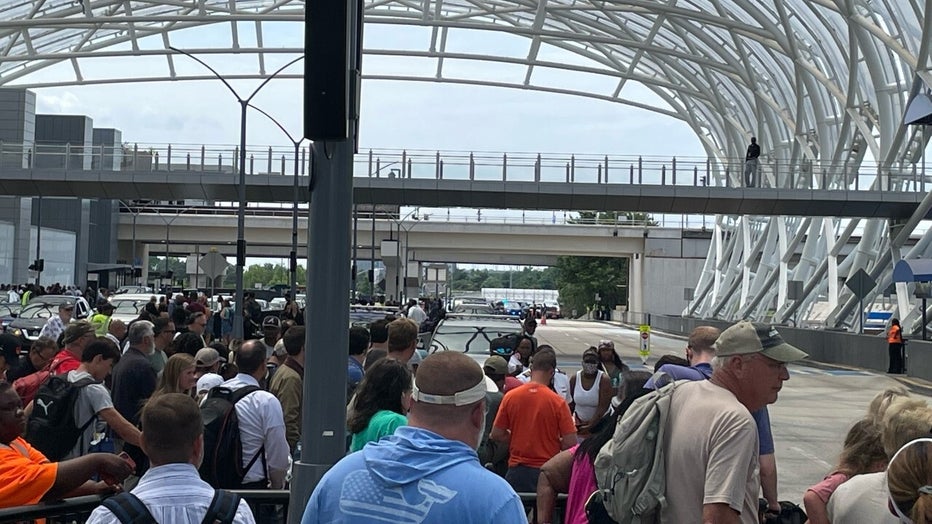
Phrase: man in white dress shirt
(172, 491)
(261, 422)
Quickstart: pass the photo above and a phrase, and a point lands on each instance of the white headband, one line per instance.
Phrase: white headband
(460, 398)
(924, 490)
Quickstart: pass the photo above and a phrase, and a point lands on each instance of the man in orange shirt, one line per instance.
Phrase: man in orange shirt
(27, 477)
(536, 424)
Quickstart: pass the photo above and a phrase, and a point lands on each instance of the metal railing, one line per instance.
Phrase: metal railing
(480, 166)
(78, 509)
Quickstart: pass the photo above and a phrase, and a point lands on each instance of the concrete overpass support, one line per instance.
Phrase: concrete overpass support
(636, 286)
(392, 262)
(412, 285)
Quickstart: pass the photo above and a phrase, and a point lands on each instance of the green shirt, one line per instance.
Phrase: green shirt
(382, 424)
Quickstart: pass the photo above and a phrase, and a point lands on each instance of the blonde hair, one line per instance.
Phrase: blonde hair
(879, 405)
(171, 375)
(909, 477)
(905, 419)
(863, 449)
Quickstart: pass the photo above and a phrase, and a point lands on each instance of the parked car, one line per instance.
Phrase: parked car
(8, 313)
(33, 317)
(470, 334)
(128, 307)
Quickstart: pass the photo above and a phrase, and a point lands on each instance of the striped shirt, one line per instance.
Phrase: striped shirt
(173, 493)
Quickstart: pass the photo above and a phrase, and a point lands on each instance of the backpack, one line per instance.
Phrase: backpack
(222, 466)
(52, 428)
(128, 509)
(629, 469)
(26, 387)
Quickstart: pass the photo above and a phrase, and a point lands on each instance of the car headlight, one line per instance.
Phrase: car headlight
(16, 332)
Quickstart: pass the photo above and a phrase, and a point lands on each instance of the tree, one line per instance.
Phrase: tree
(175, 265)
(265, 275)
(614, 217)
(580, 279)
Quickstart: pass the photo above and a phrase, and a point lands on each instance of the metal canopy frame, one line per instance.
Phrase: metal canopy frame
(821, 83)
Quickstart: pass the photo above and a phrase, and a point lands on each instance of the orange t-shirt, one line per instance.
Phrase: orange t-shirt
(25, 474)
(537, 418)
(893, 336)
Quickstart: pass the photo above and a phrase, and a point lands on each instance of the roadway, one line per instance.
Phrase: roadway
(815, 409)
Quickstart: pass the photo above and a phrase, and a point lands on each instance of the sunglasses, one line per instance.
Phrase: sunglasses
(503, 352)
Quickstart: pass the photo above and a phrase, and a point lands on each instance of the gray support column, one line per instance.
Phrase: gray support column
(82, 242)
(22, 231)
(327, 318)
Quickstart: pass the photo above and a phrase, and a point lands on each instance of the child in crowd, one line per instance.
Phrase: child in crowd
(862, 453)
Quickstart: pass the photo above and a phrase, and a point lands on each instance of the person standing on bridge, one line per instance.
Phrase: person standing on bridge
(751, 163)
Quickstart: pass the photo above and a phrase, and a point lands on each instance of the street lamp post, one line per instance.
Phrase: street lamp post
(241, 214)
(294, 210)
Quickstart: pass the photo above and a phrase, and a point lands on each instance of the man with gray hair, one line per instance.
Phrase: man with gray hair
(134, 381)
(427, 471)
(710, 429)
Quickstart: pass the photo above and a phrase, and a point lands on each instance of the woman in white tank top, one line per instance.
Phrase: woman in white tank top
(592, 393)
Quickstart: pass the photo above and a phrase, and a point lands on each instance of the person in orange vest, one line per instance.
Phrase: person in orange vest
(895, 340)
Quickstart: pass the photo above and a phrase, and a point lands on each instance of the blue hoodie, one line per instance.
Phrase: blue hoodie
(414, 476)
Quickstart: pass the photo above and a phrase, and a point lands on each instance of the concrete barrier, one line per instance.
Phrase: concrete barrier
(829, 347)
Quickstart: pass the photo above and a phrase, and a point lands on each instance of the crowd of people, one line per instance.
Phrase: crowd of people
(440, 439)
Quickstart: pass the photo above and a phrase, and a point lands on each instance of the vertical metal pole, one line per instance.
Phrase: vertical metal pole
(372, 254)
(240, 224)
(38, 237)
(354, 265)
(293, 283)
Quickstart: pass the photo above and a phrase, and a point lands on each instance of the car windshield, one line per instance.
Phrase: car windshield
(470, 336)
(40, 310)
(128, 307)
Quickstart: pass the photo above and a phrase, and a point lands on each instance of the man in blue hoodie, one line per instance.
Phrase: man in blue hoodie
(428, 471)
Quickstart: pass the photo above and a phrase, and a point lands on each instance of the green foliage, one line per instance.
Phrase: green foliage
(175, 265)
(265, 275)
(525, 278)
(613, 217)
(579, 279)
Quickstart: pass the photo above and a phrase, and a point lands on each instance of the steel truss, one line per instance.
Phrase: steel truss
(821, 83)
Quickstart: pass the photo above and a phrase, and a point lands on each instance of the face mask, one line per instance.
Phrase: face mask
(590, 368)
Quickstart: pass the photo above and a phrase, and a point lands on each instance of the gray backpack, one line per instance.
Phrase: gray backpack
(629, 469)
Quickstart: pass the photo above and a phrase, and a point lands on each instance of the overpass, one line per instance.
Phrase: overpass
(455, 179)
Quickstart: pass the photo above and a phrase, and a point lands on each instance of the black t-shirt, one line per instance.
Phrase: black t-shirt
(753, 151)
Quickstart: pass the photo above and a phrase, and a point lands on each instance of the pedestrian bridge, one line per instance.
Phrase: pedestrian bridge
(487, 180)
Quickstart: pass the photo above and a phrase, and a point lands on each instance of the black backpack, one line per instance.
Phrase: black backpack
(223, 448)
(128, 509)
(52, 428)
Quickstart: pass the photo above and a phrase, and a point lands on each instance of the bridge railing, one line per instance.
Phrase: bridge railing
(466, 165)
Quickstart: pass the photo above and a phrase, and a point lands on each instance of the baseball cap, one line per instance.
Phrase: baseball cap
(271, 321)
(207, 357)
(208, 381)
(746, 337)
(76, 330)
(65, 306)
(496, 365)
(9, 348)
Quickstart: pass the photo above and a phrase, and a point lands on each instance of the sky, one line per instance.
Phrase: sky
(394, 114)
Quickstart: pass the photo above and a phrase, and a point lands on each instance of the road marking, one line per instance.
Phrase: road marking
(811, 457)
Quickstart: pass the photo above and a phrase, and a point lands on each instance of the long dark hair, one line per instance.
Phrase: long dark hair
(604, 429)
(380, 390)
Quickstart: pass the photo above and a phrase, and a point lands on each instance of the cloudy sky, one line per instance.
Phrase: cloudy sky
(395, 114)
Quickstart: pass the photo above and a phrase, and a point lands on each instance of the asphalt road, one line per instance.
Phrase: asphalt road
(810, 419)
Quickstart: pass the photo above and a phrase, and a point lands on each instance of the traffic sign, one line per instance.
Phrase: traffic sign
(860, 283)
(645, 335)
(213, 264)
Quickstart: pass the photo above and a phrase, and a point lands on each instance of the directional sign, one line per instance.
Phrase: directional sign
(860, 283)
(213, 264)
